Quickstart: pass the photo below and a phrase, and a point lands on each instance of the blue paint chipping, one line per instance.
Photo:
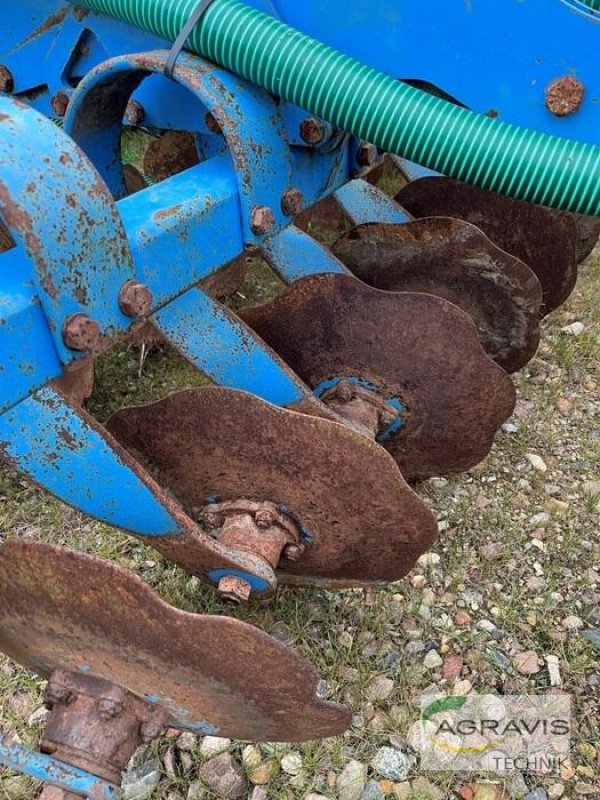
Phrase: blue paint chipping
(394, 403)
(49, 770)
(60, 450)
(258, 584)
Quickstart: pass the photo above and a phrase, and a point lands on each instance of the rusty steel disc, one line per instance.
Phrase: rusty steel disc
(364, 522)
(543, 238)
(452, 259)
(414, 346)
(65, 610)
(588, 231)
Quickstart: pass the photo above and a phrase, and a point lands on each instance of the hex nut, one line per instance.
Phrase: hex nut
(135, 299)
(80, 332)
(262, 220)
(311, 130)
(60, 103)
(291, 202)
(564, 96)
(232, 589)
(134, 113)
(366, 155)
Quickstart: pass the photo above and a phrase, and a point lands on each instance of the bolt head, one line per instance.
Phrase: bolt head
(292, 552)
(564, 96)
(134, 113)
(56, 694)
(7, 82)
(135, 299)
(264, 518)
(311, 130)
(366, 155)
(262, 220)
(291, 202)
(109, 709)
(344, 392)
(60, 103)
(232, 589)
(80, 332)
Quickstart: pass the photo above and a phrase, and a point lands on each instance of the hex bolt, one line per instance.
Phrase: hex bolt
(292, 552)
(109, 709)
(311, 130)
(344, 392)
(291, 202)
(7, 82)
(60, 103)
(135, 299)
(564, 96)
(262, 220)
(232, 589)
(366, 155)
(264, 518)
(211, 520)
(80, 332)
(134, 113)
(55, 694)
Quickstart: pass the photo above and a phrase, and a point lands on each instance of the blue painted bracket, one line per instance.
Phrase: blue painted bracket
(365, 203)
(52, 201)
(294, 254)
(248, 117)
(215, 340)
(56, 773)
(69, 454)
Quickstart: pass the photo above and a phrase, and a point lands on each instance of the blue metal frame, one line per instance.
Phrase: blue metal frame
(56, 773)
(495, 56)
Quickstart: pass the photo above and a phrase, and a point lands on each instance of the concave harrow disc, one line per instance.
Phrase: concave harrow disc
(416, 347)
(542, 238)
(65, 610)
(363, 523)
(452, 259)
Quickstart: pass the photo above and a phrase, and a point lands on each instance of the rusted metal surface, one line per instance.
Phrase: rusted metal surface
(81, 333)
(588, 231)
(55, 793)
(366, 408)
(227, 280)
(363, 523)
(77, 381)
(564, 96)
(6, 241)
(417, 347)
(327, 214)
(542, 238)
(452, 259)
(213, 674)
(96, 725)
(169, 154)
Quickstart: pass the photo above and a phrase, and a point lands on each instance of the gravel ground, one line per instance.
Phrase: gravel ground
(509, 594)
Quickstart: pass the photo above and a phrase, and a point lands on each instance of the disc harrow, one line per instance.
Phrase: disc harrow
(383, 360)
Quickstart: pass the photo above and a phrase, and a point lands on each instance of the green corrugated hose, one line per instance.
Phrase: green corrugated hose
(373, 106)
